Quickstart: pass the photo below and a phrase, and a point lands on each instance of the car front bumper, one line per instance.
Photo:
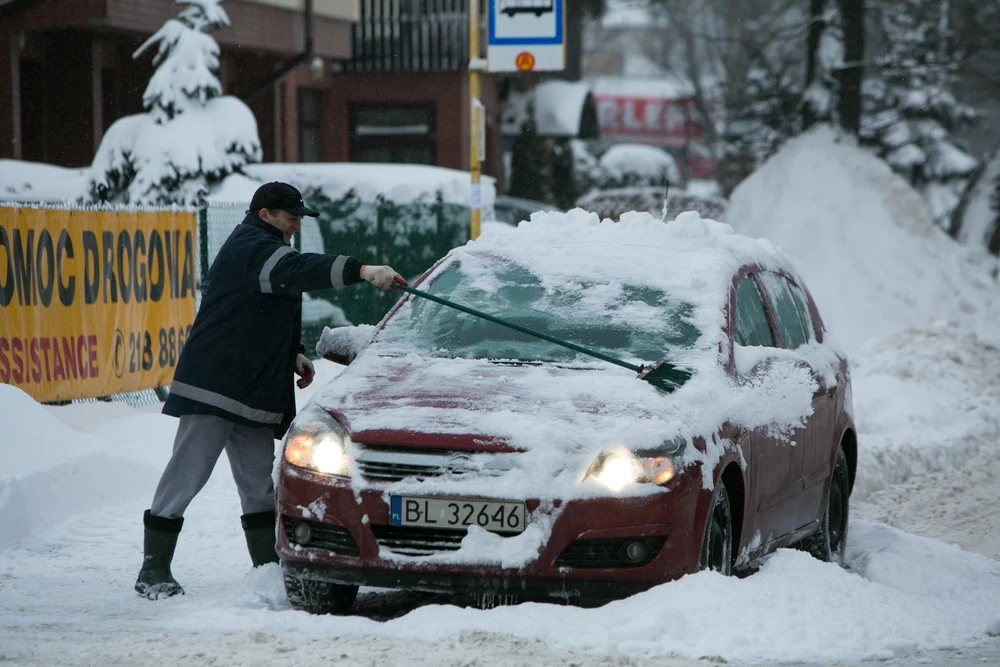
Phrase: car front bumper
(581, 560)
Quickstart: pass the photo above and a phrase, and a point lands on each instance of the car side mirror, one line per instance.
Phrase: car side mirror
(343, 344)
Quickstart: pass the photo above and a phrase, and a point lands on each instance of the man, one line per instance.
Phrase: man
(232, 388)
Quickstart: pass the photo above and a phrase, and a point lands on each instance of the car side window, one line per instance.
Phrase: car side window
(752, 327)
(804, 316)
(794, 331)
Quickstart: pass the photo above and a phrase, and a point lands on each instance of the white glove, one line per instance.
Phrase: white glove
(381, 276)
(305, 370)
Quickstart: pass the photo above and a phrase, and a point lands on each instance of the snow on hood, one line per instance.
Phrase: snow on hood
(562, 417)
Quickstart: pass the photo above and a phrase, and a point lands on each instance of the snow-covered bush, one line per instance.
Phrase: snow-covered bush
(192, 135)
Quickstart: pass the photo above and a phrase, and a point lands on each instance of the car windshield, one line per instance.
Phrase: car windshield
(623, 321)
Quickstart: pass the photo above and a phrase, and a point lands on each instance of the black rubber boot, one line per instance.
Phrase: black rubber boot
(259, 531)
(159, 541)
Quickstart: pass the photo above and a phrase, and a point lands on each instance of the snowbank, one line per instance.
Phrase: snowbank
(52, 471)
(924, 400)
(865, 243)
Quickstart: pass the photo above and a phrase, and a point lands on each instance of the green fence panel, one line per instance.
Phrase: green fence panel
(409, 237)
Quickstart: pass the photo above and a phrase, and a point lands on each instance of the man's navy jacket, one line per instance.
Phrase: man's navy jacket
(239, 360)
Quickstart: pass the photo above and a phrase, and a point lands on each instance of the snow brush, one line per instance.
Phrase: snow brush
(662, 374)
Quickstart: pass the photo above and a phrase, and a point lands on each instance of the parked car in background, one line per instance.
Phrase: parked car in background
(457, 455)
(612, 202)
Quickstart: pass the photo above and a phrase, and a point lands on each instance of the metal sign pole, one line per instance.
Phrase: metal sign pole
(475, 109)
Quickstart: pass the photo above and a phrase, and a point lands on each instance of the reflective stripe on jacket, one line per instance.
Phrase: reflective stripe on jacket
(239, 360)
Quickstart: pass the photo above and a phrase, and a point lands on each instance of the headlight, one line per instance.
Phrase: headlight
(317, 442)
(619, 467)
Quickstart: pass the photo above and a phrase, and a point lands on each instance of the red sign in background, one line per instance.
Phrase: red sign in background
(649, 120)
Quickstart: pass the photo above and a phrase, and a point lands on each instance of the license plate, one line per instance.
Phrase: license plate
(497, 517)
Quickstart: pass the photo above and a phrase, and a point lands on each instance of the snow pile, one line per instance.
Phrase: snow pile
(38, 182)
(865, 243)
(51, 471)
(915, 594)
(951, 380)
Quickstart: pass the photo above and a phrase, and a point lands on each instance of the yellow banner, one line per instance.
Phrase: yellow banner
(93, 303)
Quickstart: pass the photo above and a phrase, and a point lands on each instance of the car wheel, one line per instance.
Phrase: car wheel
(717, 545)
(319, 597)
(829, 542)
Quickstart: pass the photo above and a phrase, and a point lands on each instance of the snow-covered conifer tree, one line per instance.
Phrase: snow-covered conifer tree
(910, 108)
(192, 136)
(820, 97)
(766, 119)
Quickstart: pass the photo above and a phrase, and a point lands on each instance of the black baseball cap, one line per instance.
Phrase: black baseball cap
(280, 195)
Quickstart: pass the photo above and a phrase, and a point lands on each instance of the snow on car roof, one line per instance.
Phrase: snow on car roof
(691, 258)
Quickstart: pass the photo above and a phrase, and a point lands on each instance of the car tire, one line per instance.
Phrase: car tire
(829, 542)
(319, 597)
(717, 543)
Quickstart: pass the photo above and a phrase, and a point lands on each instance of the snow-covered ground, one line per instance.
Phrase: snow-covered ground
(916, 312)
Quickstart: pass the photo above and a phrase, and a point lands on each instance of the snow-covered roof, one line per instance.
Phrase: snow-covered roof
(558, 104)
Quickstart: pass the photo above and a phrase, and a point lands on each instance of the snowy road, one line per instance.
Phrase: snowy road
(66, 598)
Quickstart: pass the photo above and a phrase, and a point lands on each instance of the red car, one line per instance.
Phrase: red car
(457, 455)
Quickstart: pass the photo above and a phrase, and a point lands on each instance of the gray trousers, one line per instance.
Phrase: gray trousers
(199, 442)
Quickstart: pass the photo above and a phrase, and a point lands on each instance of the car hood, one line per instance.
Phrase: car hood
(555, 419)
(478, 404)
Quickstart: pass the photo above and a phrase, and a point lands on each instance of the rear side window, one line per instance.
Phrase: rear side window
(752, 327)
(789, 308)
(804, 316)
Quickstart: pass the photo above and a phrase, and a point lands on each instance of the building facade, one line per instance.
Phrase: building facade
(327, 80)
